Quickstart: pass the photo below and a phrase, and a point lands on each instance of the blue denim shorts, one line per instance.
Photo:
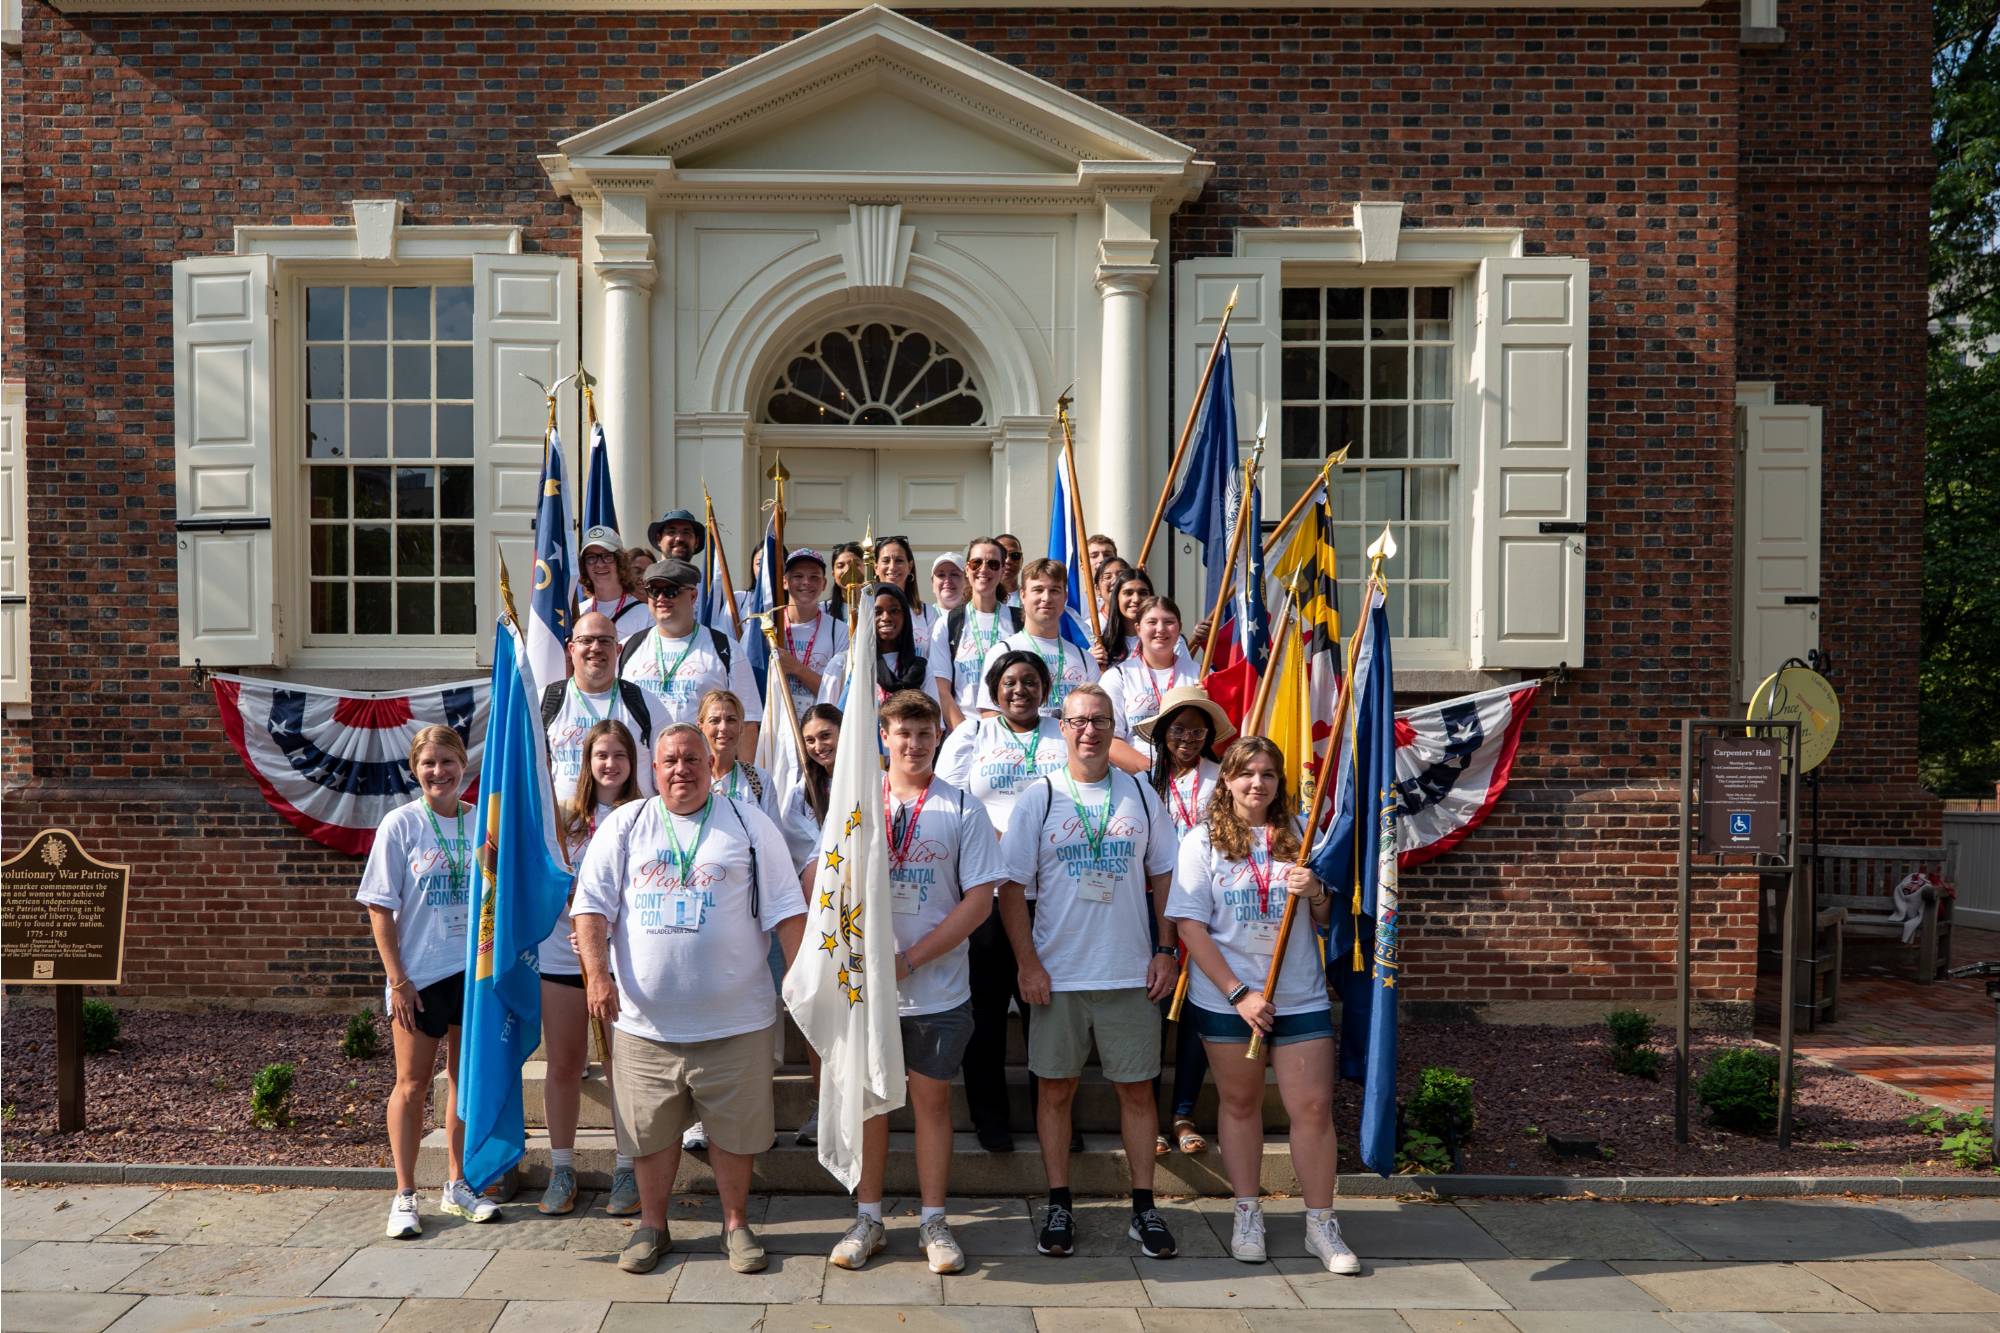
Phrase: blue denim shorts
(1230, 1030)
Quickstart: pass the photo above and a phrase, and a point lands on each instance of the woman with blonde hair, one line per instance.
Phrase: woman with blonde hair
(417, 887)
(609, 779)
(1235, 872)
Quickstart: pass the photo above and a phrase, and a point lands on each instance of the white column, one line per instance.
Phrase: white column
(625, 391)
(1118, 491)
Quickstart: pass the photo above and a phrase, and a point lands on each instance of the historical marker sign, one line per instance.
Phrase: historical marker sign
(1741, 781)
(62, 915)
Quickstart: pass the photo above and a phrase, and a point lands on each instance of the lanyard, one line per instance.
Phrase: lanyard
(735, 779)
(899, 854)
(1187, 810)
(983, 643)
(1028, 751)
(456, 868)
(668, 673)
(1153, 682)
(684, 860)
(812, 643)
(1261, 837)
(610, 707)
(1094, 840)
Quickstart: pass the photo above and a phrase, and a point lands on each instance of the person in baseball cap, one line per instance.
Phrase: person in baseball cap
(608, 583)
(948, 588)
(677, 533)
(808, 637)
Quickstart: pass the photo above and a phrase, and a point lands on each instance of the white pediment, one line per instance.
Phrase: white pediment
(874, 95)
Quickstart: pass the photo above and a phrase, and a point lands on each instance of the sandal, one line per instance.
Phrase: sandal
(1188, 1138)
(1160, 1148)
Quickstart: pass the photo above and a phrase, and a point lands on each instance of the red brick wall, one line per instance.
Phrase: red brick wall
(1615, 136)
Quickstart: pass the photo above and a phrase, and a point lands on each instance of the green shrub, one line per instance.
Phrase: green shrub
(271, 1096)
(1442, 1107)
(1972, 1146)
(1740, 1089)
(100, 1027)
(360, 1041)
(1629, 1028)
(1423, 1155)
(1638, 1061)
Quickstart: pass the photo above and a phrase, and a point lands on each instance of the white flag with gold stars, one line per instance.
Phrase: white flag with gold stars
(841, 989)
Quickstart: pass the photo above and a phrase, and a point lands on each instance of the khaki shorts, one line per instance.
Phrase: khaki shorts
(659, 1088)
(1126, 1023)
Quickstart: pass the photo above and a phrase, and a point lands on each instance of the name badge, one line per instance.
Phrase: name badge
(1263, 937)
(1096, 886)
(906, 899)
(685, 910)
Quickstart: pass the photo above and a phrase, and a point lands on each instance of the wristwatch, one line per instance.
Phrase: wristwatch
(1166, 950)
(1242, 989)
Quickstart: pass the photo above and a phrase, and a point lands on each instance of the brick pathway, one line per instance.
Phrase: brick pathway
(1934, 1042)
(131, 1259)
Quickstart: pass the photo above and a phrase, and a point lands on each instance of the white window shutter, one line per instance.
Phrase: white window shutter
(1778, 599)
(1201, 293)
(13, 544)
(224, 464)
(524, 321)
(1531, 355)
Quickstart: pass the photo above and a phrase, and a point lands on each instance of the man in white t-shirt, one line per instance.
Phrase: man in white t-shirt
(1044, 593)
(679, 660)
(1099, 852)
(592, 694)
(675, 903)
(943, 864)
(808, 638)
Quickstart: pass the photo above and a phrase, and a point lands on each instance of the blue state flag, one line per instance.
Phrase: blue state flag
(517, 897)
(764, 595)
(1253, 622)
(599, 509)
(1068, 545)
(1201, 507)
(1357, 859)
(552, 603)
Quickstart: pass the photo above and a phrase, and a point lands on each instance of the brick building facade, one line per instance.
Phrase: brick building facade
(1751, 208)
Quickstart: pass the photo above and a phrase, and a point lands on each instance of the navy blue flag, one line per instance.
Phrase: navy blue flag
(764, 595)
(1357, 860)
(599, 509)
(1253, 622)
(1200, 507)
(1067, 545)
(552, 603)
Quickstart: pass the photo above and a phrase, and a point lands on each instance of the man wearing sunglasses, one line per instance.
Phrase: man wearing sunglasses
(679, 661)
(1098, 851)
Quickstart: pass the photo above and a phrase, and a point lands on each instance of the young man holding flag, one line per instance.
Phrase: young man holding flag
(943, 863)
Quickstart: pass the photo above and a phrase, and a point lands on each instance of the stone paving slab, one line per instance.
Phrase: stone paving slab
(186, 1314)
(357, 1217)
(566, 1275)
(1454, 1321)
(1718, 1321)
(235, 1270)
(1934, 1228)
(1907, 1286)
(1216, 1284)
(890, 1318)
(1390, 1284)
(1581, 1321)
(1393, 1229)
(63, 1311)
(1103, 1282)
(791, 1279)
(398, 1270)
(74, 1265)
(995, 1227)
(552, 1317)
(1986, 1272)
(225, 1217)
(807, 1223)
(1079, 1320)
(1774, 1230)
(1102, 1227)
(636, 1318)
(1883, 1323)
(1192, 1321)
(1542, 1229)
(1562, 1284)
(1762, 1288)
(885, 1281)
(423, 1315)
(72, 1213)
(1315, 1321)
(10, 1248)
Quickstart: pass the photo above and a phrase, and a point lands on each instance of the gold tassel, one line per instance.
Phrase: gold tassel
(1357, 927)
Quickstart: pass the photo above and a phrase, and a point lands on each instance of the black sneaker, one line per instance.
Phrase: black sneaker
(1058, 1236)
(1150, 1230)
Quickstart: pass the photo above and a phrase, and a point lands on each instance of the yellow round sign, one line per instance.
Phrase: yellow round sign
(1804, 695)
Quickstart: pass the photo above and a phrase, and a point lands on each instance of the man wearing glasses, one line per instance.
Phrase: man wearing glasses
(1098, 851)
(678, 661)
(593, 694)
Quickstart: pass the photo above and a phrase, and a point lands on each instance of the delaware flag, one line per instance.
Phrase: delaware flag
(1066, 543)
(1200, 508)
(552, 604)
(841, 989)
(1358, 854)
(517, 896)
(598, 506)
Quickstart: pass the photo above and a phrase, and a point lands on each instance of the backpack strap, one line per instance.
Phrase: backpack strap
(756, 879)
(954, 625)
(631, 649)
(723, 648)
(634, 699)
(756, 783)
(552, 701)
(1014, 614)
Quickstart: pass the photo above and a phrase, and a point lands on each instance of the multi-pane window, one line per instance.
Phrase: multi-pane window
(388, 432)
(1374, 368)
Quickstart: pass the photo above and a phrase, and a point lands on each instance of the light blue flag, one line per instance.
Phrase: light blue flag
(598, 506)
(517, 896)
(1067, 544)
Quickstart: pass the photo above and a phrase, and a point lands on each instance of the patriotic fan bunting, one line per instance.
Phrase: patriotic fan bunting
(335, 763)
(1453, 760)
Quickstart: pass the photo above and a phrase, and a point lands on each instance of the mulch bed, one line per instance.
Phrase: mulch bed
(176, 1088)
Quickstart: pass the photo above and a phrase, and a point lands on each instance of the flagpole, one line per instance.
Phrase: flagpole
(721, 561)
(1089, 583)
(777, 474)
(1255, 721)
(1235, 546)
(1279, 533)
(1343, 711)
(583, 381)
(769, 623)
(1187, 429)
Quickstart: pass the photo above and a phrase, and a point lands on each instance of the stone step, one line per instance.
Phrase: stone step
(787, 1169)
(794, 1090)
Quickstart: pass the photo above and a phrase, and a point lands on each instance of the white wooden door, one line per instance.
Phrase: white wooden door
(938, 498)
(1778, 525)
(828, 500)
(13, 544)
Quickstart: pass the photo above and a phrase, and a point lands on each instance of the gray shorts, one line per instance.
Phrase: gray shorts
(1125, 1022)
(934, 1044)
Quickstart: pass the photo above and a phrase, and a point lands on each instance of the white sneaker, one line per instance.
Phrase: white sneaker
(1246, 1239)
(1323, 1239)
(459, 1200)
(940, 1247)
(404, 1223)
(694, 1139)
(863, 1241)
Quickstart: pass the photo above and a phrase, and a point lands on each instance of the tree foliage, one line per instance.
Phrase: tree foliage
(1959, 729)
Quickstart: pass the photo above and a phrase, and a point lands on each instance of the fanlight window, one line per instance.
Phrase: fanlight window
(875, 375)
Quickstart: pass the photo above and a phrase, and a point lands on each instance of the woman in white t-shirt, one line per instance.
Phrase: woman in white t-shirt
(804, 806)
(1160, 664)
(417, 887)
(899, 663)
(608, 584)
(720, 717)
(1235, 872)
(609, 779)
(896, 565)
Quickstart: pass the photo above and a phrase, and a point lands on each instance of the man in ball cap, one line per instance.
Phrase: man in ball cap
(680, 660)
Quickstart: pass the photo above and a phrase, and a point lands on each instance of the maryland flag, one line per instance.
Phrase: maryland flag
(1309, 558)
(1290, 727)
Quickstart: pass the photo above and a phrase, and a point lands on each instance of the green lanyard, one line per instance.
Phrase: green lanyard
(1095, 840)
(610, 707)
(660, 659)
(984, 644)
(1058, 688)
(1028, 751)
(684, 860)
(735, 779)
(456, 867)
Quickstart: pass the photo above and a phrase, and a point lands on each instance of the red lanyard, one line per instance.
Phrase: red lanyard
(899, 855)
(1263, 881)
(1187, 810)
(1153, 682)
(812, 643)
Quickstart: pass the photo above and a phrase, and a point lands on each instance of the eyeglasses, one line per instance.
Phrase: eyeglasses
(982, 564)
(594, 640)
(1089, 722)
(1184, 731)
(589, 556)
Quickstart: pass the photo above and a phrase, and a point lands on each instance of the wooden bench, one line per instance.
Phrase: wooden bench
(1862, 882)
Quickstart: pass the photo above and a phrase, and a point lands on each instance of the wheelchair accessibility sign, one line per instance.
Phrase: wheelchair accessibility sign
(1739, 824)
(1740, 782)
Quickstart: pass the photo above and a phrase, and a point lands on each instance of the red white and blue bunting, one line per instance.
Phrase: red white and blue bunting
(335, 762)
(1453, 760)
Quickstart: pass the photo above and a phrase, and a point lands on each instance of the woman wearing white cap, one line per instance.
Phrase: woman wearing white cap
(948, 582)
(607, 581)
(808, 638)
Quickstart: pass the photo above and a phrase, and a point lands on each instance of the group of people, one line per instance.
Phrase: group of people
(1065, 825)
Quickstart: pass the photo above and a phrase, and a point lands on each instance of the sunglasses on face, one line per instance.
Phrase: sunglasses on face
(977, 563)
